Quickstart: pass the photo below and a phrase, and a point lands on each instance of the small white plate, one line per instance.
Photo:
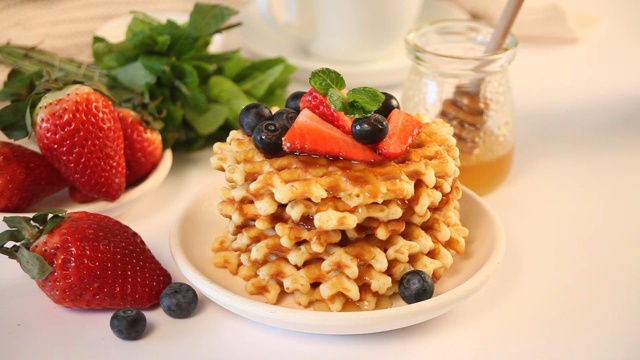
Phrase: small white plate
(200, 222)
(62, 200)
(261, 40)
(115, 30)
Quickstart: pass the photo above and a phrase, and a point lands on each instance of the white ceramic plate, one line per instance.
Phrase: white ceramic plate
(63, 201)
(200, 222)
(115, 30)
(260, 39)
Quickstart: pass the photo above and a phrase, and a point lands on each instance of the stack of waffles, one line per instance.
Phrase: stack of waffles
(336, 234)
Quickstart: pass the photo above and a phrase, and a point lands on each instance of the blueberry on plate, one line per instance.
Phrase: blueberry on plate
(388, 105)
(416, 286)
(251, 115)
(179, 300)
(370, 130)
(293, 101)
(128, 323)
(267, 137)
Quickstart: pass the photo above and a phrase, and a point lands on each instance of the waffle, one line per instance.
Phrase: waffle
(334, 234)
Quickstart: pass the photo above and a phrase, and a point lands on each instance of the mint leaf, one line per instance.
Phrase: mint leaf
(358, 102)
(365, 98)
(207, 19)
(337, 100)
(135, 76)
(12, 120)
(324, 79)
(208, 122)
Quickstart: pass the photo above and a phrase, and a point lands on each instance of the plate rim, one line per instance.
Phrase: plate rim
(320, 322)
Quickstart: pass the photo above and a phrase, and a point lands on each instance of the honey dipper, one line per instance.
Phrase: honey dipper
(464, 111)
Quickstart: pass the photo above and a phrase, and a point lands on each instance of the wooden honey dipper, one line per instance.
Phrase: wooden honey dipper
(464, 111)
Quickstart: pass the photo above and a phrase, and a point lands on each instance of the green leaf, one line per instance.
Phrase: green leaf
(336, 99)
(223, 90)
(206, 19)
(155, 64)
(139, 23)
(19, 85)
(358, 102)
(208, 122)
(110, 56)
(324, 79)
(12, 120)
(51, 223)
(365, 98)
(23, 224)
(134, 76)
(259, 83)
(8, 236)
(33, 264)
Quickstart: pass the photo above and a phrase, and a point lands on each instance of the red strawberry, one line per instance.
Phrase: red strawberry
(78, 196)
(26, 177)
(318, 104)
(78, 131)
(87, 260)
(309, 134)
(403, 128)
(142, 145)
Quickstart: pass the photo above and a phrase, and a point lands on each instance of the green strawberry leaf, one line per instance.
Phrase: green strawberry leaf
(8, 236)
(33, 264)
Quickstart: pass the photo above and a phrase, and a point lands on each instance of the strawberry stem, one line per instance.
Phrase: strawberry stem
(23, 232)
(31, 59)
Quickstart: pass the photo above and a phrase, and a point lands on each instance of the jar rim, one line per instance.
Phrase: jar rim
(411, 39)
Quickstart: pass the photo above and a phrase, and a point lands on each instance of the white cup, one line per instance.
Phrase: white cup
(343, 30)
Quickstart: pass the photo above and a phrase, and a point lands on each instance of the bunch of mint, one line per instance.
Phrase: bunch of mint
(163, 70)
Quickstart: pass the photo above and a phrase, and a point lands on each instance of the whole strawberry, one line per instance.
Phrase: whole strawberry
(142, 145)
(78, 131)
(85, 260)
(26, 177)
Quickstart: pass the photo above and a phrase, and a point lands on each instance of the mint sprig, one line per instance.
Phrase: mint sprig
(356, 103)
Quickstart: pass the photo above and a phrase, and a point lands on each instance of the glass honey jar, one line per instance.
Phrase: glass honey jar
(452, 78)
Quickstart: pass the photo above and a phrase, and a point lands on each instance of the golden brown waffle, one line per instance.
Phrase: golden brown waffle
(334, 233)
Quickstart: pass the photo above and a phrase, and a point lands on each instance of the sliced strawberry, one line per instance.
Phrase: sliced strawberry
(318, 104)
(312, 135)
(403, 128)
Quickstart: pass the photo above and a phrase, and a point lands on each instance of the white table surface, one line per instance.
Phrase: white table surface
(568, 288)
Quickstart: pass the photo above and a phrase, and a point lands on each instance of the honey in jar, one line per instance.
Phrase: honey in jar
(454, 79)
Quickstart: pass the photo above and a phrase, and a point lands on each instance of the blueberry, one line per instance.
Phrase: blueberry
(267, 137)
(415, 286)
(388, 105)
(128, 323)
(293, 101)
(179, 300)
(251, 115)
(371, 129)
(285, 117)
